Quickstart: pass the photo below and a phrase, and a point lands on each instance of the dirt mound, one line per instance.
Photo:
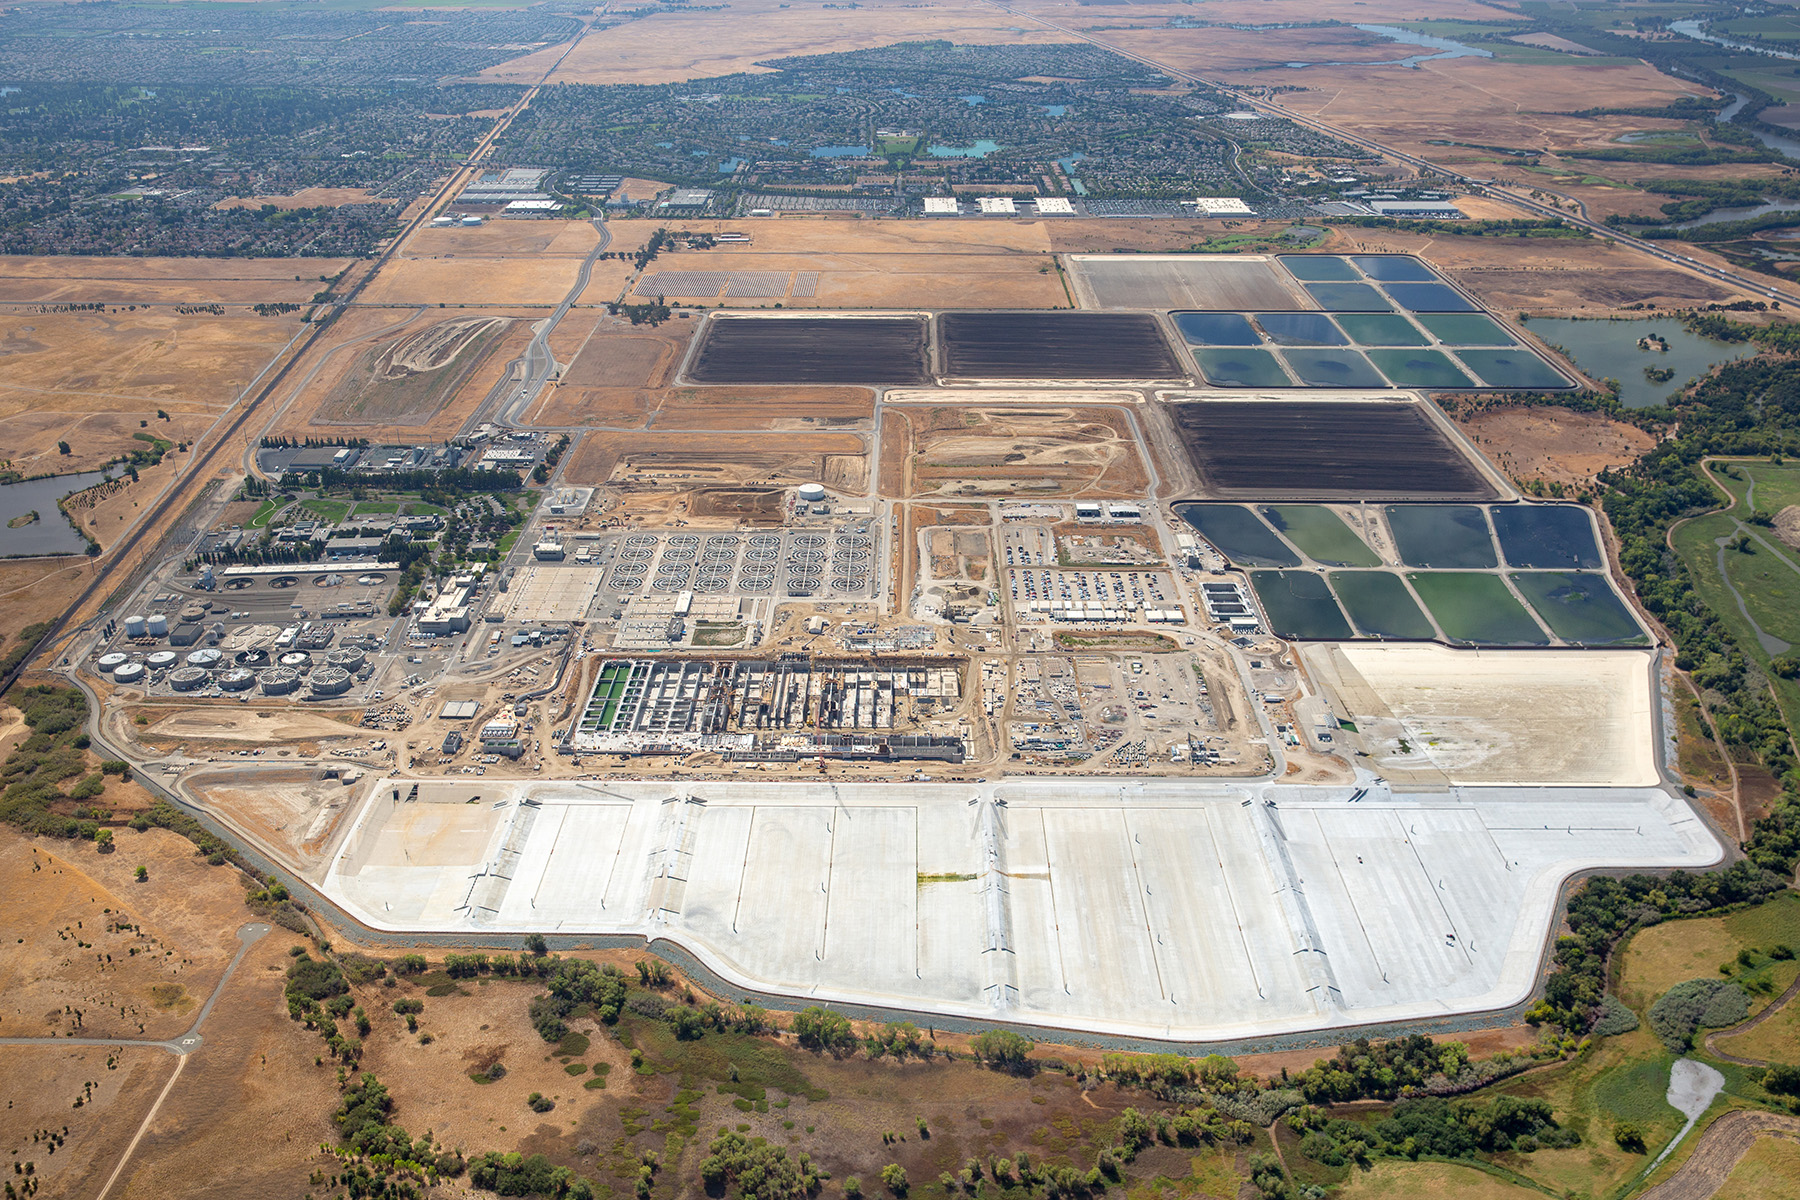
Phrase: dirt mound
(433, 348)
(1787, 526)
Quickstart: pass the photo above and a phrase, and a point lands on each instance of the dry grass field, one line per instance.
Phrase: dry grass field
(966, 452)
(1556, 445)
(89, 378)
(92, 952)
(60, 279)
(406, 379)
(668, 47)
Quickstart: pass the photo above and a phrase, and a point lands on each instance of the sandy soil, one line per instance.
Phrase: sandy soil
(1431, 714)
(294, 812)
(133, 959)
(673, 462)
(1556, 445)
(41, 1086)
(238, 724)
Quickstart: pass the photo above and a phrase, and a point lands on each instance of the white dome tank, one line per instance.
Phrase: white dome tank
(158, 625)
(112, 662)
(812, 493)
(162, 660)
(295, 659)
(135, 626)
(129, 673)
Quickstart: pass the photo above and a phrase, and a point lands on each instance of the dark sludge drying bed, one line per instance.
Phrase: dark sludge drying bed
(1323, 450)
(1055, 345)
(811, 350)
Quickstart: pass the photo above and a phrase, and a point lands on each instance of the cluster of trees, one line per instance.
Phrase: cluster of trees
(1435, 1128)
(1697, 1004)
(738, 1166)
(54, 752)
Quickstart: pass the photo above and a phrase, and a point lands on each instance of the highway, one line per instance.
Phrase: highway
(1758, 285)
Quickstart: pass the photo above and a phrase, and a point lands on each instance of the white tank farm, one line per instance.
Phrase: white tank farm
(330, 681)
(238, 679)
(204, 658)
(108, 663)
(279, 681)
(135, 626)
(129, 673)
(158, 625)
(188, 679)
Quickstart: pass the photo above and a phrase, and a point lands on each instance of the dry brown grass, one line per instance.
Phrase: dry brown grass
(676, 462)
(666, 47)
(1556, 445)
(62, 950)
(59, 279)
(88, 378)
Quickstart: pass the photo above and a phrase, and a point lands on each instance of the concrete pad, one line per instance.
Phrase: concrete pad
(1178, 910)
(1565, 717)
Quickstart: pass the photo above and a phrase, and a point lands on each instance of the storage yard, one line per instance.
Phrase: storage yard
(1160, 910)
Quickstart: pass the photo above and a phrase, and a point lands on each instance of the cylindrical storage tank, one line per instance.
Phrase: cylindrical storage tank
(349, 659)
(193, 612)
(238, 679)
(129, 673)
(279, 681)
(330, 681)
(204, 658)
(188, 679)
(293, 660)
(158, 625)
(112, 662)
(252, 658)
(135, 626)
(812, 493)
(162, 660)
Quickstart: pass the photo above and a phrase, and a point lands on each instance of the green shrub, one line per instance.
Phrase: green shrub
(1615, 1018)
(1696, 1004)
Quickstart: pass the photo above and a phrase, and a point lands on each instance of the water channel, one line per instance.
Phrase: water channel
(1441, 48)
(50, 532)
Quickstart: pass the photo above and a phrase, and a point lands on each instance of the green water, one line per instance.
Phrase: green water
(1322, 534)
(1379, 605)
(1608, 350)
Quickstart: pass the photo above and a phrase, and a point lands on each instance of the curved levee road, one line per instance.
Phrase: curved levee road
(1724, 1143)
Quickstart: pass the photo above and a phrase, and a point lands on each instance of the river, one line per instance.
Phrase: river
(1440, 48)
(51, 533)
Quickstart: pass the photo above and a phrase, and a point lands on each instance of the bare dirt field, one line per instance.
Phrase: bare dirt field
(293, 812)
(240, 723)
(88, 378)
(611, 357)
(664, 462)
(41, 1085)
(406, 379)
(1556, 445)
(968, 452)
(667, 47)
(58, 279)
(462, 281)
(102, 955)
(852, 280)
(325, 395)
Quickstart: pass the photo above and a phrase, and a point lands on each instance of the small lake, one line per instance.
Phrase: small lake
(1068, 166)
(51, 533)
(981, 149)
(840, 151)
(1608, 350)
(1053, 110)
(730, 165)
(971, 101)
(1720, 215)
